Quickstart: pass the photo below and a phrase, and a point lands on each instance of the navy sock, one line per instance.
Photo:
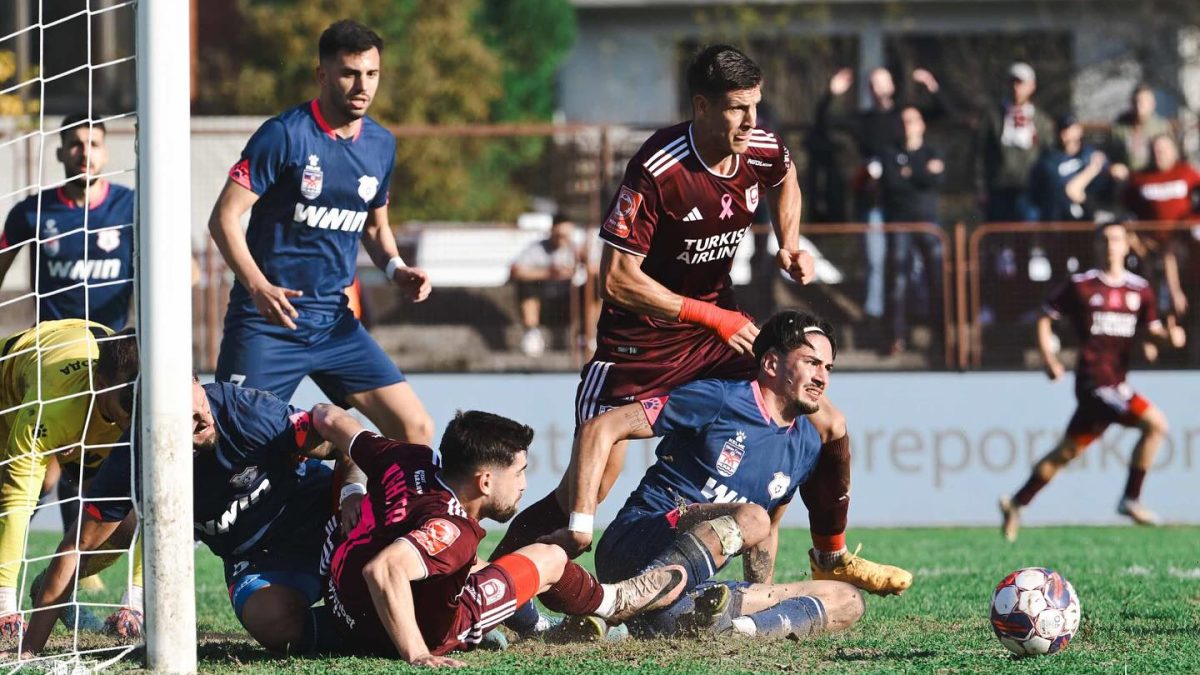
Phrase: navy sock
(693, 555)
(320, 637)
(525, 620)
(794, 617)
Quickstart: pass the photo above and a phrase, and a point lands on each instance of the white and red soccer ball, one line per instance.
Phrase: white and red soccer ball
(1035, 611)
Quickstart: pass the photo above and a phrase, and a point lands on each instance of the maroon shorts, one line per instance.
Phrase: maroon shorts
(1102, 406)
(488, 598)
(620, 374)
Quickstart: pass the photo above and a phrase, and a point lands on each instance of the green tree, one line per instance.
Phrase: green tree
(532, 37)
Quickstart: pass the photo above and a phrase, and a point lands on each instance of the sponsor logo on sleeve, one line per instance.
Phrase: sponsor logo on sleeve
(312, 178)
(435, 536)
(620, 221)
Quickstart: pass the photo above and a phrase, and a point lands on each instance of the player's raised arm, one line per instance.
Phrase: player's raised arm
(388, 577)
(381, 246)
(786, 202)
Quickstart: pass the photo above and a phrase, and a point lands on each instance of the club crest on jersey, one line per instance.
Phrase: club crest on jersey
(108, 240)
(368, 186)
(1133, 300)
(312, 178)
(752, 198)
(778, 486)
(620, 221)
(50, 229)
(493, 591)
(731, 454)
(244, 479)
(435, 536)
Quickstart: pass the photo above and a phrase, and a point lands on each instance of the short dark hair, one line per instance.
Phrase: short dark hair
(347, 36)
(72, 122)
(1103, 224)
(560, 217)
(719, 69)
(118, 357)
(788, 330)
(475, 439)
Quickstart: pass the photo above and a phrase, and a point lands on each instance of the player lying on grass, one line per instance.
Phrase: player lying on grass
(416, 545)
(732, 457)
(261, 502)
(63, 385)
(1108, 306)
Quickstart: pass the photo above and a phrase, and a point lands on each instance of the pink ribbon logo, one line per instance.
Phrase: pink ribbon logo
(726, 206)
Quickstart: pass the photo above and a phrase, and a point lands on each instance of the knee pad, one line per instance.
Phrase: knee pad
(728, 533)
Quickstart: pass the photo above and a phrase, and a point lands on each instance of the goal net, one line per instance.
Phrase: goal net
(93, 94)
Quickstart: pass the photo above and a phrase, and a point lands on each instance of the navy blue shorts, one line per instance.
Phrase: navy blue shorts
(295, 563)
(631, 542)
(342, 359)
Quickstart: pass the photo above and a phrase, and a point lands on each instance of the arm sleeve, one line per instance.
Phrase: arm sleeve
(270, 426)
(382, 195)
(263, 158)
(108, 497)
(1149, 307)
(1060, 301)
(688, 408)
(633, 214)
(375, 454)
(780, 160)
(445, 543)
(16, 227)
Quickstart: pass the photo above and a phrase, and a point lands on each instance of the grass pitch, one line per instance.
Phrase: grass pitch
(1139, 590)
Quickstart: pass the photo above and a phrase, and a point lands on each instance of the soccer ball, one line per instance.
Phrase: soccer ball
(1035, 611)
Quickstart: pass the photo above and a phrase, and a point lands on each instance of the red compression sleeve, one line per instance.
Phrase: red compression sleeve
(723, 322)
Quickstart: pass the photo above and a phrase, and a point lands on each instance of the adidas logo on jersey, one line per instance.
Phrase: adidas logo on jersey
(326, 218)
(692, 215)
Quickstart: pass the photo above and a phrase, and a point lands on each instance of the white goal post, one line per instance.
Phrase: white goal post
(165, 324)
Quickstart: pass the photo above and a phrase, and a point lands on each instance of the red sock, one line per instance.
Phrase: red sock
(1133, 484)
(540, 518)
(577, 592)
(826, 493)
(524, 575)
(1029, 490)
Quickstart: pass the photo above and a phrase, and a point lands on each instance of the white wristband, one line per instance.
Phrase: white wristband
(581, 522)
(352, 489)
(392, 265)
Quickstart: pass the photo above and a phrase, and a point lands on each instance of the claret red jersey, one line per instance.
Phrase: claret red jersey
(1106, 315)
(686, 220)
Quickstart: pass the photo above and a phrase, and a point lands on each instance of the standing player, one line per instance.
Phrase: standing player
(83, 262)
(67, 391)
(315, 180)
(261, 503)
(1107, 306)
(669, 315)
(417, 545)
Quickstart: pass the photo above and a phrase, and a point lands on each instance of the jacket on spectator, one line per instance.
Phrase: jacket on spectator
(1008, 146)
(1130, 145)
(1048, 184)
(911, 196)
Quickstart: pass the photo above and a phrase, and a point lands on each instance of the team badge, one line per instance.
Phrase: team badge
(620, 221)
(367, 187)
(1133, 300)
(50, 229)
(493, 591)
(752, 198)
(435, 536)
(731, 454)
(778, 486)
(245, 479)
(108, 240)
(312, 178)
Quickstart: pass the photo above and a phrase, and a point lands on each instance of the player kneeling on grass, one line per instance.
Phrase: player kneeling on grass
(417, 543)
(261, 502)
(733, 455)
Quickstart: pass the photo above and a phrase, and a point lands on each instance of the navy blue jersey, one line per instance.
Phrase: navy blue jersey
(315, 192)
(94, 257)
(252, 489)
(720, 445)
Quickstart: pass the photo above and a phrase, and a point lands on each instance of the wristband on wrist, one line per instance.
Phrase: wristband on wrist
(351, 489)
(392, 265)
(723, 322)
(581, 522)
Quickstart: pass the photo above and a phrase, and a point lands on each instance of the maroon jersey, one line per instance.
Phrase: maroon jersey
(686, 221)
(1106, 316)
(406, 502)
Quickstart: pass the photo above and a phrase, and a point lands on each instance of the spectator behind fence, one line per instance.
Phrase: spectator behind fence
(542, 273)
(1165, 190)
(1011, 136)
(912, 180)
(1134, 129)
(875, 129)
(1070, 178)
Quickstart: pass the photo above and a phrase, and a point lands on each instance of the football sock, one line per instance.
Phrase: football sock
(541, 518)
(827, 494)
(796, 617)
(1029, 490)
(693, 555)
(828, 559)
(1133, 484)
(578, 593)
(320, 636)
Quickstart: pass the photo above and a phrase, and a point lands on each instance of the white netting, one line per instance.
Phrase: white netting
(57, 59)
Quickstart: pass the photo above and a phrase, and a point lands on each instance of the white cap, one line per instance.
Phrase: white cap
(1022, 71)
